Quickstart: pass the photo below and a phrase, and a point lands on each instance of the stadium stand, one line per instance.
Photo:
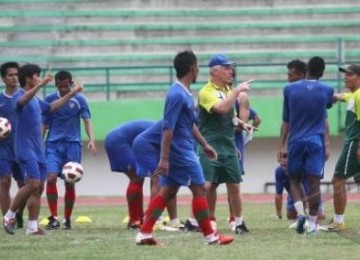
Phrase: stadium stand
(137, 39)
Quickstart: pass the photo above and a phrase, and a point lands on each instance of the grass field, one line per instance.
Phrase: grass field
(107, 238)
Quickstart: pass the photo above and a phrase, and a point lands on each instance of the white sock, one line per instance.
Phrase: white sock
(299, 206)
(339, 218)
(32, 225)
(312, 221)
(175, 221)
(239, 220)
(10, 214)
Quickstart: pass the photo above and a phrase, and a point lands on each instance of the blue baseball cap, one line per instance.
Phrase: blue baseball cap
(220, 59)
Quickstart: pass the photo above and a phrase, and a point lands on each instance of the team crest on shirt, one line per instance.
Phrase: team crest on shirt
(71, 104)
(310, 87)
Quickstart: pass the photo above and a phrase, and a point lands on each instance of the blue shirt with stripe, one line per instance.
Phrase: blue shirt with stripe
(64, 124)
(28, 144)
(304, 108)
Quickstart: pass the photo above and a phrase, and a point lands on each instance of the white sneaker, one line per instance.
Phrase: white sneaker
(293, 225)
(232, 225)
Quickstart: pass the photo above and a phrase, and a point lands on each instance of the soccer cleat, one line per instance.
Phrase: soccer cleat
(66, 224)
(217, 239)
(52, 224)
(191, 227)
(241, 229)
(134, 226)
(232, 225)
(9, 225)
(146, 240)
(38, 231)
(335, 227)
(300, 228)
(293, 225)
(19, 221)
(174, 226)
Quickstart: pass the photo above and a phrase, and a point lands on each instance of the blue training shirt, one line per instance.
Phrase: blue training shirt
(64, 124)
(179, 117)
(304, 107)
(127, 132)
(28, 144)
(7, 111)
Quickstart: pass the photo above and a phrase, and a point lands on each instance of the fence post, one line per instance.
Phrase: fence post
(340, 61)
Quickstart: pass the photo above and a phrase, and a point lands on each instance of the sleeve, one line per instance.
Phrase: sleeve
(357, 105)
(15, 101)
(347, 96)
(285, 115)
(46, 117)
(207, 99)
(330, 98)
(252, 114)
(84, 108)
(44, 106)
(173, 106)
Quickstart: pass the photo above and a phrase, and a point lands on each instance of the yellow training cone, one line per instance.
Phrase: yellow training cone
(44, 221)
(83, 219)
(125, 220)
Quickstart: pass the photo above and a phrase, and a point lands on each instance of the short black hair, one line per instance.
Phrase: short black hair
(8, 65)
(316, 67)
(183, 62)
(62, 75)
(27, 71)
(297, 65)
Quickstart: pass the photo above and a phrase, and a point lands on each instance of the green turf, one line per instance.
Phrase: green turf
(107, 238)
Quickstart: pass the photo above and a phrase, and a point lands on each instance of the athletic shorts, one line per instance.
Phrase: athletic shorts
(281, 180)
(348, 165)
(121, 157)
(185, 175)
(306, 156)
(33, 170)
(225, 169)
(59, 153)
(8, 167)
(147, 158)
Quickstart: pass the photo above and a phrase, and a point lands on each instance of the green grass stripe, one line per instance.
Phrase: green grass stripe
(297, 10)
(168, 57)
(182, 26)
(183, 40)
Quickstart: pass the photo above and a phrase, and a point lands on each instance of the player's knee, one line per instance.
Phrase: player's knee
(51, 178)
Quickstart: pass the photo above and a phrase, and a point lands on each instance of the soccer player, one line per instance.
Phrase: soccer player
(63, 144)
(217, 122)
(8, 166)
(118, 145)
(179, 165)
(348, 163)
(296, 70)
(281, 184)
(28, 145)
(304, 126)
(146, 148)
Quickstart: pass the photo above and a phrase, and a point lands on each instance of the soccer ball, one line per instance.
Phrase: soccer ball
(5, 127)
(72, 172)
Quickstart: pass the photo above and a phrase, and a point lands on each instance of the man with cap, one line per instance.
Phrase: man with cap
(348, 163)
(217, 120)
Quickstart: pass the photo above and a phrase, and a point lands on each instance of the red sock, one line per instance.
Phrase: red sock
(201, 213)
(69, 200)
(52, 198)
(153, 212)
(231, 218)
(141, 206)
(133, 196)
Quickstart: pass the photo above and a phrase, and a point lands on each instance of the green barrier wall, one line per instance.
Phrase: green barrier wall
(109, 114)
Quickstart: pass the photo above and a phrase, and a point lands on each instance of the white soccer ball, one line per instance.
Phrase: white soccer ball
(72, 172)
(5, 127)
